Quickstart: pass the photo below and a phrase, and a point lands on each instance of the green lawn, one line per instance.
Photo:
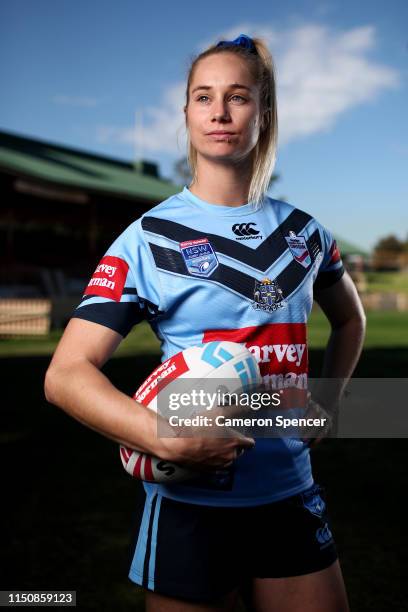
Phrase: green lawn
(70, 509)
(389, 282)
(384, 329)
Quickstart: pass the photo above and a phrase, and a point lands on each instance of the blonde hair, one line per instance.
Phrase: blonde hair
(262, 70)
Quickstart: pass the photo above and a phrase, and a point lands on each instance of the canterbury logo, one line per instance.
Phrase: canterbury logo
(245, 230)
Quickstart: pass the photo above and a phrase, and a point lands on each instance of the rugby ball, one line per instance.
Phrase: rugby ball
(229, 361)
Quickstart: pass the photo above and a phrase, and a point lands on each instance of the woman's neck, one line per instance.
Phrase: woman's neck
(222, 184)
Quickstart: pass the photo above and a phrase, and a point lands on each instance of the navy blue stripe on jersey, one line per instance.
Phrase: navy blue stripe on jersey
(261, 258)
(148, 545)
(120, 317)
(129, 291)
(126, 291)
(327, 279)
(289, 279)
(172, 261)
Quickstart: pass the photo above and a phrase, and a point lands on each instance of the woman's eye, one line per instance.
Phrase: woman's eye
(235, 97)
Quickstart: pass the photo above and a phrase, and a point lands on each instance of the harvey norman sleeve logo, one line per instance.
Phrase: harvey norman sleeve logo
(109, 278)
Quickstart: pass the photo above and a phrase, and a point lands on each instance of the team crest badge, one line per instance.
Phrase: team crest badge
(268, 295)
(298, 248)
(199, 257)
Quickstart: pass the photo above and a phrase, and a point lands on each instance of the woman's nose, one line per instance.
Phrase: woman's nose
(220, 110)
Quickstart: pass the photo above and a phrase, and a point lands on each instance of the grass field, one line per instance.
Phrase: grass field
(384, 329)
(68, 506)
(388, 282)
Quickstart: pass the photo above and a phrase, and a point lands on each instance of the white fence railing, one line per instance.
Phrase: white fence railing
(25, 316)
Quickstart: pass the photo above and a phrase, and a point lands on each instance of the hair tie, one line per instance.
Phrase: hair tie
(241, 41)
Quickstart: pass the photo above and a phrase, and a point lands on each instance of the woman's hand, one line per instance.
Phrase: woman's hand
(203, 451)
(75, 383)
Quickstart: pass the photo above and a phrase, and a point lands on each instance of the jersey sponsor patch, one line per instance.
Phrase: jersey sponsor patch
(109, 278)
(279, 348)
(298, 248)
(199, 257)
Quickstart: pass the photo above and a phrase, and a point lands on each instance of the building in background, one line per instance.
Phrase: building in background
(60, 210)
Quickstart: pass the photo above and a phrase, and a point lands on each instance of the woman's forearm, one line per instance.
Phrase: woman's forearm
(82, 391)
(344, 349)
(340, 359)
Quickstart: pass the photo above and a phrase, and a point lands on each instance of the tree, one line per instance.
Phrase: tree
(182, 171)
(388, 254)
(390, 243)
(274, 179)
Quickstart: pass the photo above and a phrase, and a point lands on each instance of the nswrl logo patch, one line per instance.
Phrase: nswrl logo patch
(298, 248)
(199, 257)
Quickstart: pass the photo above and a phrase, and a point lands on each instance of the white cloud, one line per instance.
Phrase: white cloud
(155, 129)
(321, 73)
(79, 101)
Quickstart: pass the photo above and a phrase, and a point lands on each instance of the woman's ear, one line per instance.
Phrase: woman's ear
(264, 120)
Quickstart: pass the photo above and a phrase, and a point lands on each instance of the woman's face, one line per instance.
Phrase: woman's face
(223, 98)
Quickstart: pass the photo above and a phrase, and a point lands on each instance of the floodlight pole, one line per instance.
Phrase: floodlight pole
(139, 137)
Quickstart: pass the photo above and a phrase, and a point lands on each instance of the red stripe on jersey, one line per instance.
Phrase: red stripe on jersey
(279, 348)
(334, 253)
(292, 397)
(109, 278)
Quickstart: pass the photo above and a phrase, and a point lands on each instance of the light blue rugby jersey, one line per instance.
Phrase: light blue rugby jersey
(200, 272)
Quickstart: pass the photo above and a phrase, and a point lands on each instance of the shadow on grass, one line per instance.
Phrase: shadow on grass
(70, 507)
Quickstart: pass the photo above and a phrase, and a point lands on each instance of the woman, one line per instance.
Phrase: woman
(261, 264)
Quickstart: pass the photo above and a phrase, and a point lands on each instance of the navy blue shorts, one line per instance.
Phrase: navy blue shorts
(201, 553)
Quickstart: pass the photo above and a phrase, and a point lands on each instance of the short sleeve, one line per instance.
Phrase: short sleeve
(331, 267)
(124, 288)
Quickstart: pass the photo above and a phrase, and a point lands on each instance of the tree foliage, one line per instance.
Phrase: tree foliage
(390, 243)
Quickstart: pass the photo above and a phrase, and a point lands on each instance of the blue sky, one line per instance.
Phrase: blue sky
(90, 73)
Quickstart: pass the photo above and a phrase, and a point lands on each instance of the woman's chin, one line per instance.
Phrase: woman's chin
(227, 155)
